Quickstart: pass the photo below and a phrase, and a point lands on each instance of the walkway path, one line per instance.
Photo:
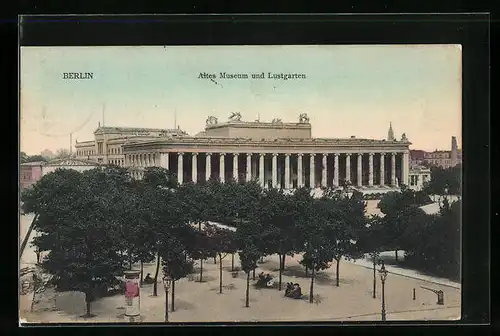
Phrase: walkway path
(201, 302)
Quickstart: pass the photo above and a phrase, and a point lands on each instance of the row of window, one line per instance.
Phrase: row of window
(118, 162)
(117, 150)
(85, 152)
(90, 152)
(414, 179)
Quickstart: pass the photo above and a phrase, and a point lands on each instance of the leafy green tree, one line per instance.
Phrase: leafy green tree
(345, 215)
(31, 158)
(223, 241)
(442, 179)
(81, 243)
(373, 240)
(393, 205)
(175, 262)
(249, 255)
(279, 233)
(136, 230)
(165, 209)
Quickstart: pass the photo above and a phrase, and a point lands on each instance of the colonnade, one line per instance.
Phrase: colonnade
(283, 170)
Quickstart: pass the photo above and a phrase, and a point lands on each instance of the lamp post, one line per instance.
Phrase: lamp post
(383, 277)
(166, 284)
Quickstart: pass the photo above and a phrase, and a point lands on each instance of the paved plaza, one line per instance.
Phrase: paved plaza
(201, 302)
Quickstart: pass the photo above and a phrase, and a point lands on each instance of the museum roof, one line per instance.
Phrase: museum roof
(111, 129)
(276, 141)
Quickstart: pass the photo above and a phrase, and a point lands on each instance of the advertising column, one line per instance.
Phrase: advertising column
(132, 295)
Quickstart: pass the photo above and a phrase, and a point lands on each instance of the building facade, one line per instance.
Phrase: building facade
(107, 146)
(68, 163)
(439, 158)
(418, 177)
(277, 154)
(29, 174)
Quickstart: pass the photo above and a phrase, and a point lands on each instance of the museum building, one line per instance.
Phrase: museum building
(277, 154)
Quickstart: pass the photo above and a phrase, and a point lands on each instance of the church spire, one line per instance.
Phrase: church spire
(390, 134)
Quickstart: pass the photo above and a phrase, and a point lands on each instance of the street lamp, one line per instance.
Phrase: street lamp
(166, 284)
(383, 276)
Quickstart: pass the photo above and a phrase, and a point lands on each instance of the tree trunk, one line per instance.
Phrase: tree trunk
(374, 276)
(87, 303)
(232, 262)
(283, 263)
(130, 262)
(173, 295)
(280, 270)
(201, 270)
(155, 284)
(396, 255)
(142, 274)
(253, 274)
(311, 290)
(215, 260)
(248, 291)
(220, 274)
(307, 271)
(337, 275)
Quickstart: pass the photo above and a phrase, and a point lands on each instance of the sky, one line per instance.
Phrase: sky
(348, 90)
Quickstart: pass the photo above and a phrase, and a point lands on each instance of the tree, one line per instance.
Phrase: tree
(248, 258)
(392, 205)
(82, 243)
(373, 241)
(346, 220)
(445, 178)
(435, 242)
(197, 203)
(24, 158)
(175, 262)
(63, 153)
(164, 207)
(222, 241)
(137, 230)
(279, 233)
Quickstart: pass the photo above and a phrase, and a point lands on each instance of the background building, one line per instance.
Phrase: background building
(278, 154)
(438, 158)
(68, 163)
(29, 173)
(418, 177)
(107, 146)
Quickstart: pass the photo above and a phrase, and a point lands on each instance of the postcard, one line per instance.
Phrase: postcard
(280, 183)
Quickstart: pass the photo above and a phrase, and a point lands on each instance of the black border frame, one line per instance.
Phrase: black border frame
(472, 31)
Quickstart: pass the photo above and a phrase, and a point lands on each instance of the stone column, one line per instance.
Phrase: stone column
(274, 170)
(261, 169)
(222, 168)
(180, 167)
(336, 169)
(249, 167)
(312, 181)
(287, 171)
(235, 167)
(393, 169)
(299, 171)
(360, 169)
(208, 166)
(324, 171)
(382, 169)
(405, 168)
(348, 167)
(370, 167)
(194, 168)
